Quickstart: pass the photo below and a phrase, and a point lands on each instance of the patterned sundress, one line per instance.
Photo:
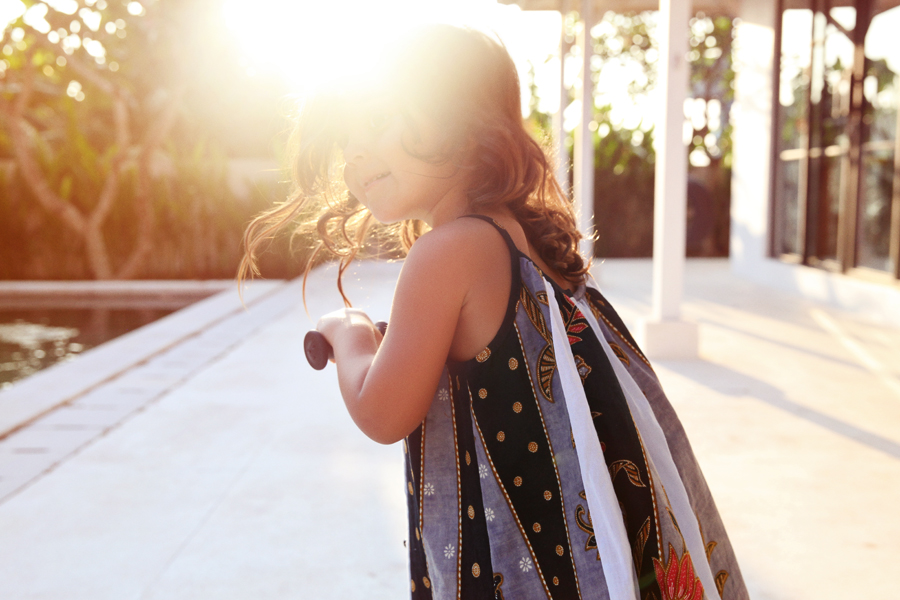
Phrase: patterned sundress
(499, 503)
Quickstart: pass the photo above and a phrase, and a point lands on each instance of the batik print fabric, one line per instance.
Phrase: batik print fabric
(498, 505)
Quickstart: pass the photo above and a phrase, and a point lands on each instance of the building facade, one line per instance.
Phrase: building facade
(815, 195)
(816, 172)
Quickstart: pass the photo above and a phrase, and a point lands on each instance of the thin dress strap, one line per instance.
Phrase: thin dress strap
(513, 250)
(515, 253)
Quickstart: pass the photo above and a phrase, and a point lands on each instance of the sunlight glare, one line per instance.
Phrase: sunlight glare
(67, 7)
(10, 10)
(306, 41)
(34, 17)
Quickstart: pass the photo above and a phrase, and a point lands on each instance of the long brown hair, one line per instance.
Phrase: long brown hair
(467, 83)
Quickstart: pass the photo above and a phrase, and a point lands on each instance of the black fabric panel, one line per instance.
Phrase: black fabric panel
(600, 301)
(476, 545)
(516, 443)
(420, 586)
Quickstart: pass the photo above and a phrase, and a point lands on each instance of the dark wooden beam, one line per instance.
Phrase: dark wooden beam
(713, 7)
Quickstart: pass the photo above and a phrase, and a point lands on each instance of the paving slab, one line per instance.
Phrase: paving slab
(61, 383)
(140, 377)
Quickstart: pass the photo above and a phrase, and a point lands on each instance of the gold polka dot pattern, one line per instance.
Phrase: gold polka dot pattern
(471, 512)
(482, 393)
(556, 581)
(426, 582)
(476, 570)
(513, 364)
(412, 585)
(547, 495)
(559, 550)
(410, 487)
(483, 355)
(501, 436)
(468, 458)
(536, 527)
(532, 447)
(517, 481)
(517, 407)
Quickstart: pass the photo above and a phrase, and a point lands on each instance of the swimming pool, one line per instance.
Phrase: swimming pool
(43, 323)
(34, 339)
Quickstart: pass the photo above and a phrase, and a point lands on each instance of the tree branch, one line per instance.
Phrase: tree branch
(98, 255)
(31, 171)
(121, 121)
(145, 221)
(160, 129)
(107, 195)
(156, 134)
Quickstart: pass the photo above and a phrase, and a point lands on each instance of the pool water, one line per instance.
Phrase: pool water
(34, 339)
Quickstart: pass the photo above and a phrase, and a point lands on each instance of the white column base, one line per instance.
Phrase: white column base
(668, 339)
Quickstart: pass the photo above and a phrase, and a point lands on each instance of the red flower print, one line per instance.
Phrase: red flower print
(676, 577)
(575, 321)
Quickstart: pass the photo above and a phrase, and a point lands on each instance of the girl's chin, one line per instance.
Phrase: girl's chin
(385, 211)
(385, 217)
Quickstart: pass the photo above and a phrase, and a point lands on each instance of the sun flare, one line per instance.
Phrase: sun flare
(306, 41)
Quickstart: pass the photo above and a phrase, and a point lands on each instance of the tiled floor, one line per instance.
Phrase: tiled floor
(241, 476)
(55, 423)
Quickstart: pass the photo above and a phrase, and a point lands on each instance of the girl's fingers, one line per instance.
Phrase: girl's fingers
(318, 351)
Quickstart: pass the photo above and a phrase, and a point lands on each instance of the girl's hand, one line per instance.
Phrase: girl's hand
(354, 340)
(345, 323)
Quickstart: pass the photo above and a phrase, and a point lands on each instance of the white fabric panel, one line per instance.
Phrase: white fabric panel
(606, 516)
(658, 449)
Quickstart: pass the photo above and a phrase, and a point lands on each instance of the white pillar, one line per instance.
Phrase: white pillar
(664, 334)
(584, 142)
(751, 116)
(559, 130)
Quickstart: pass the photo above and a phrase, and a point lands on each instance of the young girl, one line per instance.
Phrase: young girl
(543, 460)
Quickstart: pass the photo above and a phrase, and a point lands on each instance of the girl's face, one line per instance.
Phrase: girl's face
(392, 183)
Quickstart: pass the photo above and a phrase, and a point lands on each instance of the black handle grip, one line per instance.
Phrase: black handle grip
(318, 350)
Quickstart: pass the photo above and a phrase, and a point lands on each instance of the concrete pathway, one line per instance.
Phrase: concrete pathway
(243, 477)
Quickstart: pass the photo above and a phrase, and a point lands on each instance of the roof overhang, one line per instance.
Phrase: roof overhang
(713, 7)
(880, 5)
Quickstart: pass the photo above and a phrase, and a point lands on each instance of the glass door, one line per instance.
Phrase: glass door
(878, 230)
(836, 197)
(829, 153)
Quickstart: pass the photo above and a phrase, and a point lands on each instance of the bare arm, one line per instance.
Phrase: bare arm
(388, 387)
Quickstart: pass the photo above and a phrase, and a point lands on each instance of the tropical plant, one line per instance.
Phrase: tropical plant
(120, 118)
(75, 157)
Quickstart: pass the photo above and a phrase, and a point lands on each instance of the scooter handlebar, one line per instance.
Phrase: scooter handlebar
(319, 351)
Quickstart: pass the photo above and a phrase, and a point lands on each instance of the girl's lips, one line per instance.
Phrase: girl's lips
(368, 183)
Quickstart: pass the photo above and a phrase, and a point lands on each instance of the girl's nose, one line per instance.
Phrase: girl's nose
(356, 149)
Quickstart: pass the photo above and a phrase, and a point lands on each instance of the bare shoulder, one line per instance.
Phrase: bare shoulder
(464, 242)
(461, 270)
(457, 266)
